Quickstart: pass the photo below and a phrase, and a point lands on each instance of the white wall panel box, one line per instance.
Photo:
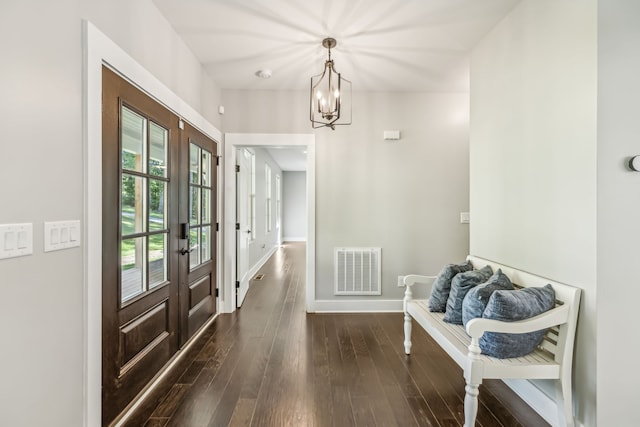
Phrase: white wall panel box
(16, 240)
(391, 135)
(61, 235)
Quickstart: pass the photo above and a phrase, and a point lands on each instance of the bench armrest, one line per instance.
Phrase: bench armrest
(556, 316)
(412, 279)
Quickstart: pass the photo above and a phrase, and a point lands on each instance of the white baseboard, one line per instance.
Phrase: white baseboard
(357, 306)
(258, 265)
(540, 401)
(294, 239)
(543, 404)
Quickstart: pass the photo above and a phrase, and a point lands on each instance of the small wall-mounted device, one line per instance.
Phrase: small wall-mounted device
(184, 230)
(391, 135)
(634, 163)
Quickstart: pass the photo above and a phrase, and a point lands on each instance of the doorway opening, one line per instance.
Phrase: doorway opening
(234, 141)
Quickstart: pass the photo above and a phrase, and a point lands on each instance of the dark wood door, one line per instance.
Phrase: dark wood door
(198, 222)
(157, 288)
(140, 196)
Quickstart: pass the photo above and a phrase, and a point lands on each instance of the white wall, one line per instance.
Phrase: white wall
(41, 171)
(404, 196)
(264, 241)
(533, 157)
(294, 212)
(618, 207)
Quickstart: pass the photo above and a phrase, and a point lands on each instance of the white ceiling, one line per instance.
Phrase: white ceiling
(292, 159)
(383, 45)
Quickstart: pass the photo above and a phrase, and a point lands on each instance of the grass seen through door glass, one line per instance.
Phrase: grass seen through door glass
(128, 246)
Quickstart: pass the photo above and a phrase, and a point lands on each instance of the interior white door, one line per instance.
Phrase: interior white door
(243, 222)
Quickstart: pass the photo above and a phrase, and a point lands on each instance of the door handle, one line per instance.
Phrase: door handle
(248, 231)
(184, 251)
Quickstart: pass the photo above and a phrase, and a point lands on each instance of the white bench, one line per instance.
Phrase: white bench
(552, 360)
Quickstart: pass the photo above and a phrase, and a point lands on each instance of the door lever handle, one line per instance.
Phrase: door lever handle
(184, 251)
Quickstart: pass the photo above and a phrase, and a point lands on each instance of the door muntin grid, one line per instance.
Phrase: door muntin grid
(200, 203)
(143, 221)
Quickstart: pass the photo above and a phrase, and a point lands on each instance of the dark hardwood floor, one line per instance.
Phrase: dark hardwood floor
(272, 364)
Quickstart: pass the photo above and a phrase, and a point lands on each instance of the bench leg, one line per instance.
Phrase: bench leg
(407, 333)
(473, 375)
(471, 405)
(564, 401)
(408, 296)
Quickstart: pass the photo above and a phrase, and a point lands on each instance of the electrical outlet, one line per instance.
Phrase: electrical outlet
(400, 281)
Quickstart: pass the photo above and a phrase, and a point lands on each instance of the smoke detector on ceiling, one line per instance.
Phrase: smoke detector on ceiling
(263, 74)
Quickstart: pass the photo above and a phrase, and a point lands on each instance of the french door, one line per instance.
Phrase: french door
(198, 201)
(159, 235)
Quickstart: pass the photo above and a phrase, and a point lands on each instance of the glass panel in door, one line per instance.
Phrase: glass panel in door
(143, 205)
(200, 190)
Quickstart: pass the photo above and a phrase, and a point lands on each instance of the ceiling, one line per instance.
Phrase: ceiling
(383, 45)
(290, 159)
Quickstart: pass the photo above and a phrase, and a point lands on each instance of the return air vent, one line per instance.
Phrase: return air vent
(357, 271)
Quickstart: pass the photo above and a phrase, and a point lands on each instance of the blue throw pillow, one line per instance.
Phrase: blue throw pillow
(460, 285)
(442, 285)
(477, 298)
(511, 306)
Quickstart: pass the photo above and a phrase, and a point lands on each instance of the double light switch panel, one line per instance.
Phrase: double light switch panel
(16, 240)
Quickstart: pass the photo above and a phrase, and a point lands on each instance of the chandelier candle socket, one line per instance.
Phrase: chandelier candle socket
(330, 95)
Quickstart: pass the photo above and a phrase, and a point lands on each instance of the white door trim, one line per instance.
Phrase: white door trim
(98, 49)
(243, 223)
(234, 140)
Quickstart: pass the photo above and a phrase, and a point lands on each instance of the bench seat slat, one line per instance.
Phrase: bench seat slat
(455, 341)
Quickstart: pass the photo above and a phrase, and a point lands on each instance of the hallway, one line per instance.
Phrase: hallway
(272, 364)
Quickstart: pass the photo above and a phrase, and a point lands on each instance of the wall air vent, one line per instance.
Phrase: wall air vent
(357, 271)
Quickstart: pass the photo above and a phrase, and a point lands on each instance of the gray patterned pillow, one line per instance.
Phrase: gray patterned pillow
(442, 285)
(511, 306)
(460, 285)
(477, 298)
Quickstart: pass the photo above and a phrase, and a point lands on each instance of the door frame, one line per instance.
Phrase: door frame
(232, 141)
(99, 50)
(243, 217)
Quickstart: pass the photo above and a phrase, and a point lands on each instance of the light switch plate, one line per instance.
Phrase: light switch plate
(61, 235)
(465, 218)
(16, 240)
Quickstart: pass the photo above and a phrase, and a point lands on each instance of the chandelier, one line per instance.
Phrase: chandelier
(330, 95)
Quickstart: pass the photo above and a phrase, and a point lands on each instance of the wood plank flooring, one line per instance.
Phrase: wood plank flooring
(272, 364)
